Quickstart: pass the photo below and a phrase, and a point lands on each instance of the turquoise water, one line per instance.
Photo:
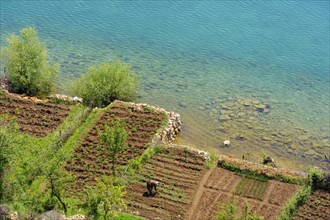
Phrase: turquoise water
(211, 61)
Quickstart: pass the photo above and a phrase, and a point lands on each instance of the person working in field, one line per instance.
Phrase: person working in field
(152, 184)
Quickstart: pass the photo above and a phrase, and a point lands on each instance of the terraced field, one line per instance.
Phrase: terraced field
(263, 198)
(37, 118)
(91, 158)
(179, 172)
(317, 207)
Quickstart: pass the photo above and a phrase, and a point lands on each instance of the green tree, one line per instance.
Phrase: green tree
(8, 130)
(105, 198)
(58, 180)
(27, 66)
(114, 137)
(102, 84)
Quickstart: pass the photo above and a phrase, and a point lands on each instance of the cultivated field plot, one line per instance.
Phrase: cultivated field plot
(34, 117)
(91, 158)
(317, 207)
(179, 172)
(263, 198)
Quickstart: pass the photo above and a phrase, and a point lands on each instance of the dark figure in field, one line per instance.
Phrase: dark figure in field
(152, 184)
(269, 161)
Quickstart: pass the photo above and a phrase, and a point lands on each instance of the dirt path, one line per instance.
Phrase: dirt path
(199, 192)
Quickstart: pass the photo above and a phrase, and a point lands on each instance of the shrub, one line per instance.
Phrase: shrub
(27, 66)
(105, 198)
(105, 83)
(315, 177)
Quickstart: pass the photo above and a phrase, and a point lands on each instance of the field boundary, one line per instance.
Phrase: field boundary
(263, 171)
(199, 192)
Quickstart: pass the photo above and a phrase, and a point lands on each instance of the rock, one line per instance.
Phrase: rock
(51, 215)
(265, 138)
(310, 152)
(77, 217)
(226, 143)
(240, 137)
(260, 107)
(293, 146)
(289, 150)
(303, 137)
(224, 117)
(4, 212)
(77, 99)
(182, 105)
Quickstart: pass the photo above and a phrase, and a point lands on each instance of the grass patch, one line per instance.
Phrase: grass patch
(252, 188)
(208, 163)
(260, 176)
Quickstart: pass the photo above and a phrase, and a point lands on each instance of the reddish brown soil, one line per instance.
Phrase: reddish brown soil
(220, 187)
(35, 118)
(317, 207)
(179, 173)
(91, 158)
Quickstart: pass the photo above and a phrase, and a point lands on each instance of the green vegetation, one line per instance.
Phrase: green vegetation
(8, 131)
(297, 200)
(229, 211)
(260, 176)
(114, 137)
(208, 163)
(135, 164)
(33, 180)
(27, 66)
(314, 177)
(105, 198)
(251, 188)
(245, 173)
(105, 83)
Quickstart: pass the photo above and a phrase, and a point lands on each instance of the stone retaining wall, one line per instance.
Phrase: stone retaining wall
(167, 133)
(260, 168)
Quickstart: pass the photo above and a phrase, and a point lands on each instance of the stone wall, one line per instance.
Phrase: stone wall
(167, 133)
(260, 168)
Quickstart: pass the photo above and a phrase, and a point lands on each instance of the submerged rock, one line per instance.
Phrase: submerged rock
(226, 143)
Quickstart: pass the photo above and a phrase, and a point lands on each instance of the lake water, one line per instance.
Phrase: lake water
(252, 72)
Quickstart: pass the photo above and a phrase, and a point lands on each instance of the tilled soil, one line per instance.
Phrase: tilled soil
(179, 172)
(317, 207)
(35, 118)
(220, 187)
(91, 158)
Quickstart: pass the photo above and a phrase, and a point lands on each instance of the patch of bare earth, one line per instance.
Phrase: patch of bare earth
(317, 207)
(179, 171)
(35, 117)
(221, 185)
(91, 158)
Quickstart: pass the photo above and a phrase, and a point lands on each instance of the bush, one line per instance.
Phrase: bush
(26, 62)
(105, 83)
(103, 200)
(315, 177)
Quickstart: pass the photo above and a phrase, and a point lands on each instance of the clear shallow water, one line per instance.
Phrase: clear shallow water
(209, 61)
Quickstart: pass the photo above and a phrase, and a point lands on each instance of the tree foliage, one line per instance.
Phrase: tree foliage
(8, 130)
(27, 66)
(114, 137)
(105, 83)
(105, 198)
